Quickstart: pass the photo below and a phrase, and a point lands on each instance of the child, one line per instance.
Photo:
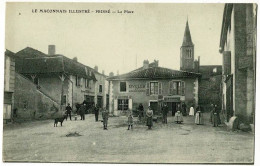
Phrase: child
(178, 116)
(130, 119)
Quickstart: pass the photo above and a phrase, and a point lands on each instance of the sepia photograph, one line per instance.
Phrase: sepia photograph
(136, 83)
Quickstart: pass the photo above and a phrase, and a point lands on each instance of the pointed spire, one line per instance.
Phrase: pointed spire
(187, 37)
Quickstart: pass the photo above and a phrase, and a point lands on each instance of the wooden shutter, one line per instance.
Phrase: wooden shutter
(148, 88)
(160, 88)
(183, 88)
(115, 105)
(130, 104)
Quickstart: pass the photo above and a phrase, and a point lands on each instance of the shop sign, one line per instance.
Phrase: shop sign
(171, 99)
(137, 88)
(86, 91)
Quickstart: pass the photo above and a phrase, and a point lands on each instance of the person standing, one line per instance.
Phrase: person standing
(191, 113)
(68, 111)
(130, 119)
(105, 118)
(215, 116)
(82, 110)
(198, 116)
(178, 116)
(149, 115)
(184, 107)
(96, 110)
(141, 112)
(165, 110)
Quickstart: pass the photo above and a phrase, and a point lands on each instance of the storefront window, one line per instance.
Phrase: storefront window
(122, 86)
(154, 88)
(122, 104)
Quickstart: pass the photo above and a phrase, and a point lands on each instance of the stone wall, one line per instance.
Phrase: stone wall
(32, 103)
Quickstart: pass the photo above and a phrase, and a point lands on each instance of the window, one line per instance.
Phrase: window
(122, 86)
(100, 89)
(122, 104)
(77, 81)
(154, 88)
(63, 100)
(87, 83)
(177, 88)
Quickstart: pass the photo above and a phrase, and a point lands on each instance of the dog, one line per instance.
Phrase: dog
(57, 120)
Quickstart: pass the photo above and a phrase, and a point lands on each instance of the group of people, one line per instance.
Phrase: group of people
(178, 118)
(81, 110)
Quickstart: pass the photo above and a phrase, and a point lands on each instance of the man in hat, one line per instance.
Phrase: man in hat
(165, 110)
(68, 111)
(82, 110)
(96, 110)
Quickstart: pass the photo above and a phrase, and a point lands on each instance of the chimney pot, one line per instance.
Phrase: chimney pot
(96, 68)
(51, 50)
(111, 74)
(145, 64)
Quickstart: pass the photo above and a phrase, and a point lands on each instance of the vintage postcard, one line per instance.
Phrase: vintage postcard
(129, 82)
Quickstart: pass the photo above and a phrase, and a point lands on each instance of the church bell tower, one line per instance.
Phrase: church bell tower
(187, 51)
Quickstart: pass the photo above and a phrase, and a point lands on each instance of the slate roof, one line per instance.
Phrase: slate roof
(40, 63)
(187, 36)
(155, 73)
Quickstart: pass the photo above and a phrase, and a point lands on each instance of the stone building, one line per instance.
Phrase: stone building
(152, 85)
(210, 80)
(238, 48)
(62, 79)
(9, 84)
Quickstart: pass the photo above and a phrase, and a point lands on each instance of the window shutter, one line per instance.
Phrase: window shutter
(115, 105)
(148, 88)
(160, 88)
(183, 88)
(130, 104)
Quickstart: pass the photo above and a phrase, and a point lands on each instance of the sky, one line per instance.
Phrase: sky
(117, 41)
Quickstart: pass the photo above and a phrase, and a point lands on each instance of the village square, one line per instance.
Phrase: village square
(60, 109)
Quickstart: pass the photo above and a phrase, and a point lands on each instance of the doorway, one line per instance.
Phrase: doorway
(154, 107)
(100, 101)
(173, 107)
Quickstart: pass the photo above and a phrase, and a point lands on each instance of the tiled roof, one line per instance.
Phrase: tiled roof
(9, 53)
(154, 73)
(40, 63)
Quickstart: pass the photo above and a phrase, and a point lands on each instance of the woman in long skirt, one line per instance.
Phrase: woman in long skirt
(149, 115)
(191, 113)
(199, 116)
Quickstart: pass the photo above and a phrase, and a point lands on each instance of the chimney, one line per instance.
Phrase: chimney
(51, 50)
(111, 74)
(117, 72)
(103, 72)
(145, 64)
(96, 68)
(75, 59)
